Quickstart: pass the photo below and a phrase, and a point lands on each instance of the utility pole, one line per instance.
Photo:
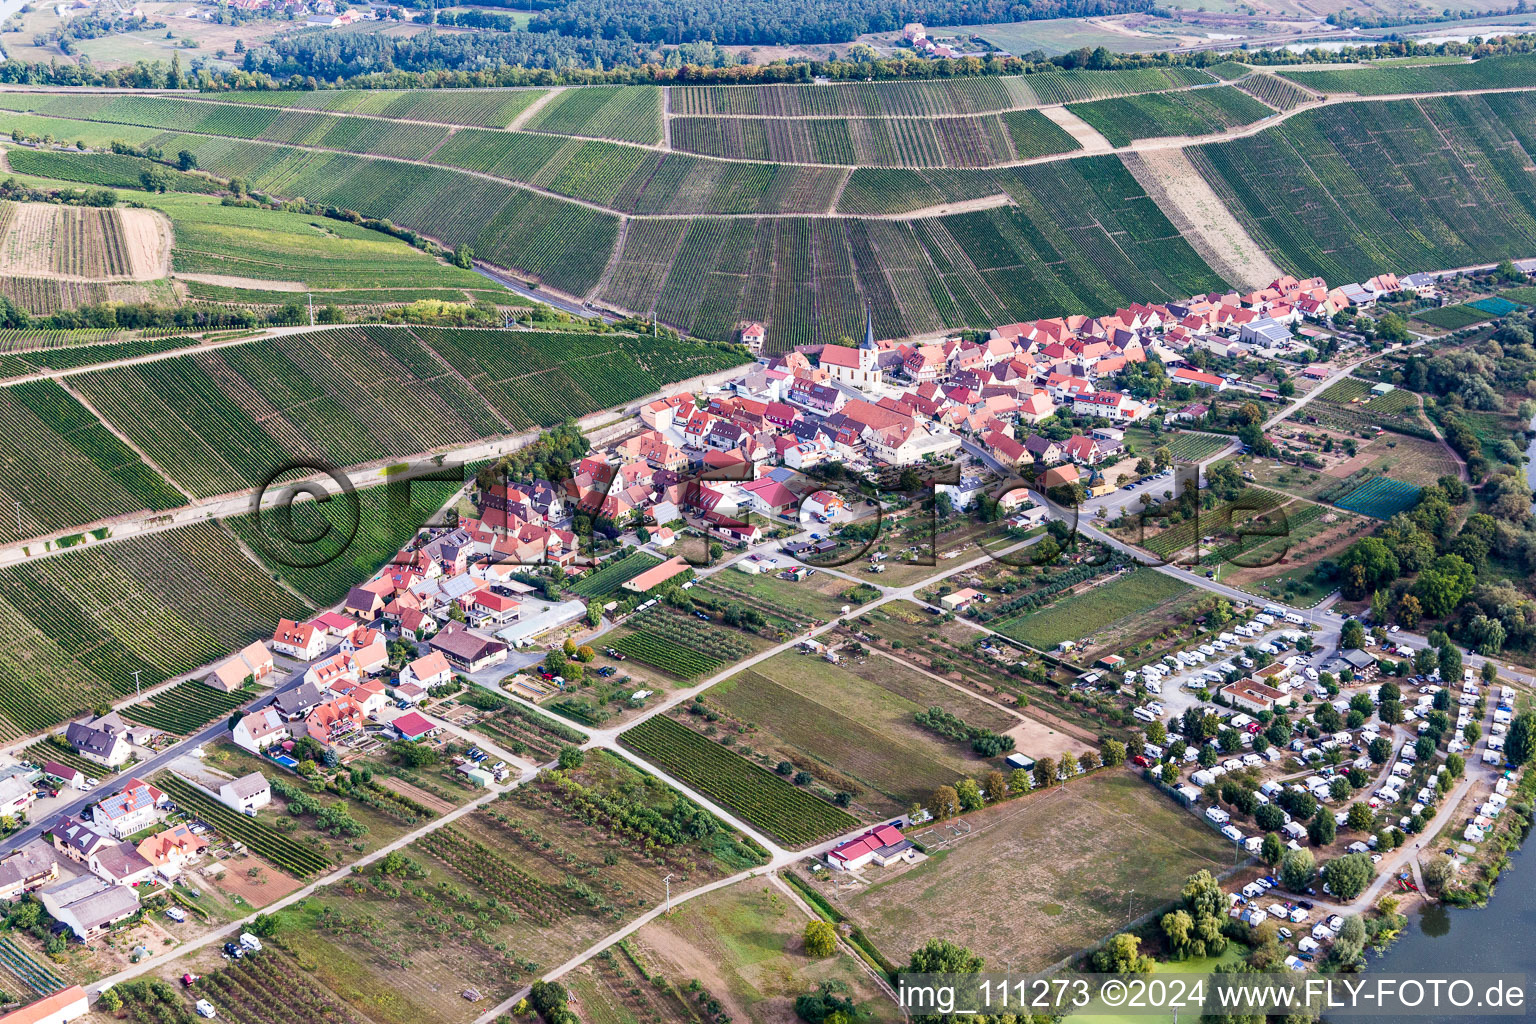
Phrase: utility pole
(139, 690)
(668, 881)
(311, 309)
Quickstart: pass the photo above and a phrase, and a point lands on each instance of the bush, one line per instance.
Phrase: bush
(820, 939)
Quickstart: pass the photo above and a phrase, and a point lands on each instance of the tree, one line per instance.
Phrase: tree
(1269, 818)
(1350, 942)
(1353, 636)
(1348, 876)
(1272, 850)
(969, 795)
(1298, 870)
(185, 161)
(995, 786)
(571, 757)
(1449, 663)
(940, 956)
(1157, 733)
(1520, 742)
(585, 653)
(1067, 766)
(1380, 750)
(820, 939)
(1113, 753)
(1045, 773)
(1323, 829)
(1019, 781)
(944, 803)
(1437, 872)
(1361, 818)
(1122, 955)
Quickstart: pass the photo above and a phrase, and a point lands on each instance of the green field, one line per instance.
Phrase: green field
(758, 795)
(77, 625)
(60, 467)
(1389, 79)
(1452, 318)
(1075, 617)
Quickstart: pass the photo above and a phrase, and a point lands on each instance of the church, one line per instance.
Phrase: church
(860, 366)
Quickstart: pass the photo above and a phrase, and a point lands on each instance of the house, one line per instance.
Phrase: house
(64, 775)
(17, 795)
(102, 740)
(960, 600)
(491, 611)
(1005, 449)
(1111, 405)
(137, 807)
(295, 703)
(657, 575)
(174, 849)
(304, 641)
(1059, 476)
(59, 1007)
(76, 840)
(1042, 449)
(412, 727)
(823, 505)
(34, 865)
(1190, 413)
(88, 906)
(332, 672)
(1196, 378)
(1086, 451)
(882, 845)
(334, 720)
(253, 663)
(260, 729)
(1251, 695)
(1265, 333)
(366, 604)
(121, 864)
(467, 650)
(246, 794)
(427, 672)
(754, 336)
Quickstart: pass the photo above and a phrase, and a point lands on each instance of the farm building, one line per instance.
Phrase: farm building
(1196, 378)
(882, 845)
(246, 794)
(253, 662)
(88, 905)
(657, 575)
(466, 649)
(960, 600)
(1251, 695)
(412, 727)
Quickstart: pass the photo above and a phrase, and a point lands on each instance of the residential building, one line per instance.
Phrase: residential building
(427, 672)
(334, 720)
(260, 729)
(34, 865)
(173, 850)
(1251, 695)
(77, 840)
(300, 640)
(137, 807)
(59, 1007)
(253, 663)
(102, 740)
(295, 703)
(467, 650)
(17, 794)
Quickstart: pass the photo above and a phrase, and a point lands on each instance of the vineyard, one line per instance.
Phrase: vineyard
(659, 652)
(1452, 318)
(1350, 389)
(262, 839)
(1192, 447)
(348, 539)
(1388, 80)
(225, 420)
(28, 971)
(680, 645)
(627, 113)
(758, 795)
(75, 627)
(64, 467)
(28, 363)
(1275, 91)
(1252, 501)
(533, 378)
(520, 729)
(1380, 497)
(1069, 618)
(185, 707)
(487, 108)
(1194, 112)
(74, 241)
(608, 579)
(112, 170)
(1355, 189)
(271, 989)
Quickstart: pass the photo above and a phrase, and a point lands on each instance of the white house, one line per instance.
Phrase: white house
(136, 808)
(302, 640)
(260, 729)
(247, 794)
(427, 672)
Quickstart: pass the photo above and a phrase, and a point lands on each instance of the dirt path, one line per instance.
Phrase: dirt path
(149, 237)
(1202, 218)
(962, 206)
(259, 284)
(534, 108)
(1086, 134)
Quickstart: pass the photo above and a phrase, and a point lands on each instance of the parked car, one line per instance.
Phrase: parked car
(176, 914)
(233, 952)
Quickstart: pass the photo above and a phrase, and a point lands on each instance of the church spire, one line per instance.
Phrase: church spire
(869, 330)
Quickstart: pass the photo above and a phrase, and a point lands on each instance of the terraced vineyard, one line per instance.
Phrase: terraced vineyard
(758, 795)
(341, 543)
(185, 707)
(536, 378)
(63, 467)
(1352, 190)
(225, 420)
(1194, 112)
(488, 108)
(75, 627)
(1388, 79)
(627, 113)
(1275, 91)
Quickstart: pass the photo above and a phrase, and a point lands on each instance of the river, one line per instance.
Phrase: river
(1448, 940)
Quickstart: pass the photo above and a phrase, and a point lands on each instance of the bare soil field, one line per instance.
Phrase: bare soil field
(84, 243)
(1086, 134)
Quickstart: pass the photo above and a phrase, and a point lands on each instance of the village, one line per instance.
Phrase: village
(747, 493)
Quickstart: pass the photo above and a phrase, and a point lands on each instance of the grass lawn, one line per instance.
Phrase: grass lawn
(841, 722)
(1043, 876)
(1081, 614)
(1195, 965)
